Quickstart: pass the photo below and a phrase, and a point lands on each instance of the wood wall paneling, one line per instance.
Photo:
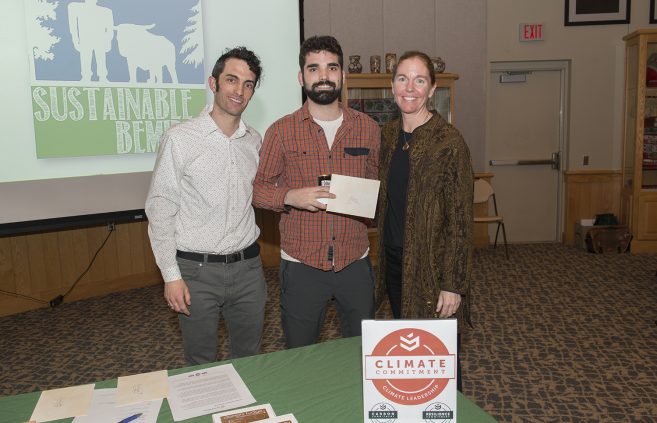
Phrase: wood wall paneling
(7, 280)
(589, 193)
(21, 265)
(45, 265)
(647, 219)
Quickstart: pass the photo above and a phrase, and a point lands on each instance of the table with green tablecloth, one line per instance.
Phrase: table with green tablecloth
(321, 383)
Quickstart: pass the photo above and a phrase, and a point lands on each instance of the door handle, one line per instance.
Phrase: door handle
(554, 162)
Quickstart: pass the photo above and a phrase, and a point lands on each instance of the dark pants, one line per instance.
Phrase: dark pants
(236, 290)
(393, 280)
(305, 292)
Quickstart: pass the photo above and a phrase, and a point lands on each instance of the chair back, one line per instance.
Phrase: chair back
(482, 191)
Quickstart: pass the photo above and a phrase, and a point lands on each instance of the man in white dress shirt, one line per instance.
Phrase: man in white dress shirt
(201, 223)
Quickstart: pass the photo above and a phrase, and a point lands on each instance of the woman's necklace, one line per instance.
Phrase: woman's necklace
(406, 145)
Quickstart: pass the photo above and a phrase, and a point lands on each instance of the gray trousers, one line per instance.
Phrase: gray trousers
(305, 292)
(236, 290)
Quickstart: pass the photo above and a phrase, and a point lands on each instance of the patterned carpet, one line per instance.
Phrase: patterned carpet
(560, 336)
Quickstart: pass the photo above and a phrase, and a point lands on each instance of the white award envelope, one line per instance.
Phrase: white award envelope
(142, 387)
(353, 196)
(62, 403)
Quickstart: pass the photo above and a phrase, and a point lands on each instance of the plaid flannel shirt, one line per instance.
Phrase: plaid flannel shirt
(293, 155)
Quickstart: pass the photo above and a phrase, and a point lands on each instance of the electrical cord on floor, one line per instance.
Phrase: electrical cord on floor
(60, 298)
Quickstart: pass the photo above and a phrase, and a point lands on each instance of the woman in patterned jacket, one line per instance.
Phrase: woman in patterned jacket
(425, 204)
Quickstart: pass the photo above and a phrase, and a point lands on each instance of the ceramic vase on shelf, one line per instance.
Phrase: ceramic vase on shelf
(375, 64)
(391, 61)
(354, 64)
(438, 64)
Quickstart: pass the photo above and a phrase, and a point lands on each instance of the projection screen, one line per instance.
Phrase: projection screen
(43, 181)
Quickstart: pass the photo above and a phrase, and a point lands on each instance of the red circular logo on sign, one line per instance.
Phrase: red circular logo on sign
(417, 342)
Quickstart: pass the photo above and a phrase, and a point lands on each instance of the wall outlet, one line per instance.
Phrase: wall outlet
(585, 161)
(110, 227)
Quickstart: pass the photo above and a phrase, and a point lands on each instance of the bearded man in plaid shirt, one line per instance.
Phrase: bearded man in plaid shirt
(324, 255)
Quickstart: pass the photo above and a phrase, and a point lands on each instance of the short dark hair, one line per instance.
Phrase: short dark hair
(241, 53)
(423, 57)
(318, 43)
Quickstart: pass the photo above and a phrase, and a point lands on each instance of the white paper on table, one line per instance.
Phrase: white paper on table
(142, 387)
(62, 403)
(285, 418)
(207, 391)
(353, 196)
(247, 414)
(104, 410)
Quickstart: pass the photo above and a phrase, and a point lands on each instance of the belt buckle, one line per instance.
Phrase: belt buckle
(234, 257)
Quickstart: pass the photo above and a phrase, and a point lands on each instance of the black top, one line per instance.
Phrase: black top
(393, 230)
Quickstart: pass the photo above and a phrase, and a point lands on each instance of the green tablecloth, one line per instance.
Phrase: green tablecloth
(319, 384)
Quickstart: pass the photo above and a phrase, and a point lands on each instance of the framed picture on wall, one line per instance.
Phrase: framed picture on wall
(598, 12)
(653, 12)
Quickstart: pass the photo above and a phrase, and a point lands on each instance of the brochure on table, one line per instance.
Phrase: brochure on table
(409, 370)
(207, 391)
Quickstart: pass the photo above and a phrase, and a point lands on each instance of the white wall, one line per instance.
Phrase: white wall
(452, 29)
(470, 34)
(597, 75)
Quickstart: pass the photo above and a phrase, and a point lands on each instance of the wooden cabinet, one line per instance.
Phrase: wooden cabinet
(639, 167)
(372, 93)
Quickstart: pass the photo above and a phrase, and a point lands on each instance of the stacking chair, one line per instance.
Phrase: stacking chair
(482, 192)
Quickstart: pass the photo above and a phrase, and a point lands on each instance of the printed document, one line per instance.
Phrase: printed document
(207, 391)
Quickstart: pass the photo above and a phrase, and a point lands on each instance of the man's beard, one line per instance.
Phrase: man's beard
(323, 97)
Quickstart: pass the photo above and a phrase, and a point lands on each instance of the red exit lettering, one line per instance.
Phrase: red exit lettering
(531, 32)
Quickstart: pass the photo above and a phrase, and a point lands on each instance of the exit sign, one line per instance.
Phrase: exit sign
(531, 32)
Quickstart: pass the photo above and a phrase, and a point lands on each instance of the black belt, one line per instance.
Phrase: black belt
(248, 253)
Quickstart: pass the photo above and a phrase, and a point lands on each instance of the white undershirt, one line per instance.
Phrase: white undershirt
(330, 128)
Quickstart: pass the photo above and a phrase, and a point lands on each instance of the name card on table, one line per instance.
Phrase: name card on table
(409, 370)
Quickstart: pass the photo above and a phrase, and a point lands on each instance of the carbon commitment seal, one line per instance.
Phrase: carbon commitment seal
(410, 366)
(382, 413)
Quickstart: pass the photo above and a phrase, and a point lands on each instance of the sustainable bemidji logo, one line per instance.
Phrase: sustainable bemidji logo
(110, 76)
(410, 366)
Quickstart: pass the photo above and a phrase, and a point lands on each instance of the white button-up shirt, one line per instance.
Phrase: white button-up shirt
(201, 191)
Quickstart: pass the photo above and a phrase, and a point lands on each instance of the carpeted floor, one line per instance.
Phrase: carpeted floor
(560, 336)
